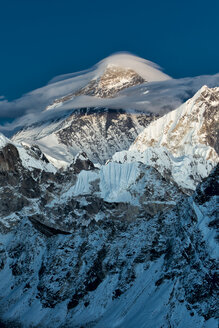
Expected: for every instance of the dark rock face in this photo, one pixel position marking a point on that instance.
(82, 162)
(18, 185)
(101, 132)
(45, 229)
(35, 150)
(9, 159)
(210, 124)
(212, 128)
(208, 188)
(11, 202)
(30, 187)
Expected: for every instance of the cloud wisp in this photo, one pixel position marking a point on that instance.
(157, 96)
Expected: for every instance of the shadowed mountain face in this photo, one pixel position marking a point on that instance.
(9, 158)
(100, 132)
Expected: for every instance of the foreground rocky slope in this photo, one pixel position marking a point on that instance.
(90, 262)
(48, 194)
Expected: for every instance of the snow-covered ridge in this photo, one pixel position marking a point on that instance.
(182, 144)
(29, 161)
(27, 155)
(158, 95)
(186, 130)
(185, 171)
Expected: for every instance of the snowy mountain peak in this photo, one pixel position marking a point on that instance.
(192, 129)
(183, 144)
(145, 68)
(206, 95)
(209, 95)
(113, 80)
(121, 71)
(113, 74)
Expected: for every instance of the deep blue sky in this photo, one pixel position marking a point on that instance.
(44, 38)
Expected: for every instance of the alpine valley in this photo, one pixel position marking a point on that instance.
(109, 194)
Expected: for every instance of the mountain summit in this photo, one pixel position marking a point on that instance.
(113, 80)
(148, 70)
(113, 74)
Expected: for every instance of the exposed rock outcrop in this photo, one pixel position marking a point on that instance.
(113, 80)
(9, 159)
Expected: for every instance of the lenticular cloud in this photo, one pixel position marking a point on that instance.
(159, 94)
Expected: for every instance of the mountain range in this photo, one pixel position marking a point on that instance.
(109, 201)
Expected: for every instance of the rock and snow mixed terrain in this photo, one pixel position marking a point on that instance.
(183, 144)
(189, 130)
(99, 131)
(108, 218)
(100, 111)
(70, 258)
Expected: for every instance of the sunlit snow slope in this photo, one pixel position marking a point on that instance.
(184, 143)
